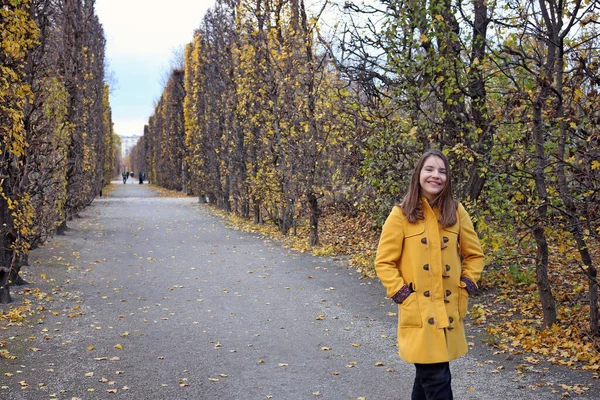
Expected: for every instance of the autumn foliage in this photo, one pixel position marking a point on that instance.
(57, 146)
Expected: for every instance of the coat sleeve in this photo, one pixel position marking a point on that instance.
(470, 247)
(389, 252)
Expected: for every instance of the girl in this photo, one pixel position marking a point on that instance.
(419, 263)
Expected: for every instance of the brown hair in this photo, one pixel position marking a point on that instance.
(411, 204)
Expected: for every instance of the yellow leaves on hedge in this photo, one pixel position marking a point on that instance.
(19, 30)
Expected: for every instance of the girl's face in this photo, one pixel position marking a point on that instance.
(433, 177)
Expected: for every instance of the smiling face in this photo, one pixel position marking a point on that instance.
(433, 177)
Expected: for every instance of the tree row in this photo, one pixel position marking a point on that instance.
(58, 147)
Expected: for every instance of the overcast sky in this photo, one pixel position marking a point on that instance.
(142, 37)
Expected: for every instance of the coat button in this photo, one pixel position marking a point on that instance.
(424, 240)
(426, 267)
(445, 239)
(451, 320)
(426, 294)
(448, 293)
(431, 321)
(447, 267)
(450, 327)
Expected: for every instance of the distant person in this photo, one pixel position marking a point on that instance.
(141, 177)
(429, 259)
(124, 175)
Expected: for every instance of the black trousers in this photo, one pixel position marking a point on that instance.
(432, 382)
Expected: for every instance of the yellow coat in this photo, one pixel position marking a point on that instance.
(430, 320)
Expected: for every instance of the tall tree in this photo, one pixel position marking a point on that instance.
(18, 37)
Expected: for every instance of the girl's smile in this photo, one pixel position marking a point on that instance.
(432, 178)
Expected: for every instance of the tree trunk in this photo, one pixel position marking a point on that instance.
(287, 219)
(14, 276)
(257, 217)
(593, 286)
(62, 228)
(314, 219)
(573, 216)
(477, 91)
(4, 286)
(546, 297)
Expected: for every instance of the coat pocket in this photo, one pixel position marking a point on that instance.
(463, 302)
(409, 313)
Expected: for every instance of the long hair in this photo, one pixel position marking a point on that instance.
(411, 204)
